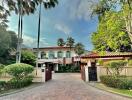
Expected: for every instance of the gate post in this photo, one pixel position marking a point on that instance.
(86, 74)
(98, 73)
(43, 75)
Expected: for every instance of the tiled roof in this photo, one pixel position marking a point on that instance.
(57, 47)
(107, 55)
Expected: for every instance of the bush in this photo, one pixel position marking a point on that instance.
(117, 82)
(19, 70)
(21, 75)
(2, 85)
(14, 83)
(68, 68)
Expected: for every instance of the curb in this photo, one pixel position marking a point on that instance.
(110, 91)
(20, 90)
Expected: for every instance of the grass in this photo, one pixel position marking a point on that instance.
(114, 90)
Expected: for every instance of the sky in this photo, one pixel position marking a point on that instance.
(68, 18)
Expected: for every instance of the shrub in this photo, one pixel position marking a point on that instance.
(2, 85)
(68, 68)
(14, 83)
(19, 70)
(117, 82)
(21, 74)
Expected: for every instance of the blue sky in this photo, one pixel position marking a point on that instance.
(68, 18)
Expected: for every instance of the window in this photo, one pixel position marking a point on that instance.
(68, 54)
(43, 55)
(51, 55)
(60, 54)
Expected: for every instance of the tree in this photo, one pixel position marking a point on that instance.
(70, 42)
(8, 43)
(60, 42)
(79, 48)
(4, 13)
(28, 57)
(125, 8)
(47, 5)
(21, 7)
(110, 35)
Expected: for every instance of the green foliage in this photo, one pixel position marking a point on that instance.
(60, 42)
(123, 6)
(130, 62)
(3, 85)
(8, 43)
(100, 61)
(110, 35)
(28, 57)
(70, 42)
(79, 48)
(117, 82)
(21, 74)
(116, 66)
(68, 68)
(1, 68)
(19, 70)
(14, 83)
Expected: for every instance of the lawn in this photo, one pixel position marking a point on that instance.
(113, 90)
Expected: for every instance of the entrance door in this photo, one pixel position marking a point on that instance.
(92, 71)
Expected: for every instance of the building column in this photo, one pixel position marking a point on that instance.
(98, 73)
(56, 52)
(56, 67)
(86, 74)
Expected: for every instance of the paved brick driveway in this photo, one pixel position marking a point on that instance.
(64, 87)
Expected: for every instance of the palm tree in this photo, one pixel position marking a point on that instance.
(60, 42)
(3, 17)
(21, 7)
(70, 42)
(79, 49)
(47, 5)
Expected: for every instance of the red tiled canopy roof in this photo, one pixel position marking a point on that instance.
(107, 55)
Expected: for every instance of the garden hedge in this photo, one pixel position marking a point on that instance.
(21, 75)
(120, 82)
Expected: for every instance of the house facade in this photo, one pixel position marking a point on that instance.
(55, 56)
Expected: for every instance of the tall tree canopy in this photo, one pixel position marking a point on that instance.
(124, 6)
(60, 42)
(8, 43)
(79, 48)
(110, 34)
(70, 42)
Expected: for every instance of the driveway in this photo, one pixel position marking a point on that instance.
(66, 86)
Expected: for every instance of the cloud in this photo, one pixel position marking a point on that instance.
(81, 9)
(32, 42)
(63, 28)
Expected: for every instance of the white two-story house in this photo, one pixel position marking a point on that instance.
(56, 55)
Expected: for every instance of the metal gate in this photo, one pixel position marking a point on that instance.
(92, 71)
(48, 73)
